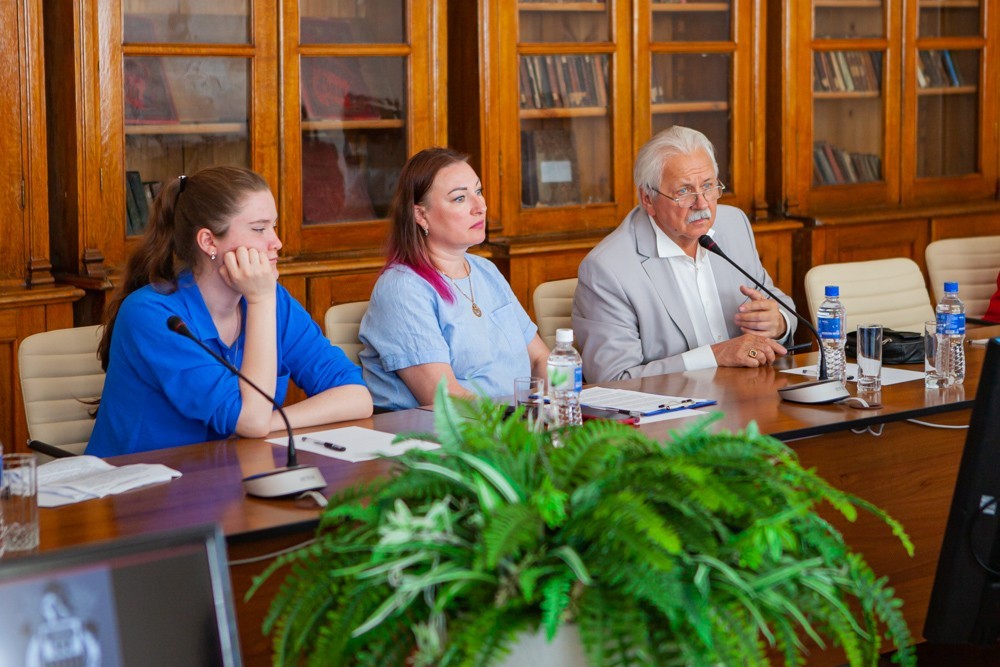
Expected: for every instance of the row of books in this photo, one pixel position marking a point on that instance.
(832, 165)
(847, 71)
(936, 69)
(562, 82)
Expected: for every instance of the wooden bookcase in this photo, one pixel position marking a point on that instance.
(325, 98)
(565, 94)
(883, 125)
(30, 302)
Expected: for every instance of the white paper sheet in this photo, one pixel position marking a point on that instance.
(76, 478)
(890, 375)
(360, 444)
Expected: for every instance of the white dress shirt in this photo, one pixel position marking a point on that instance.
(700, 294)
(701, 298)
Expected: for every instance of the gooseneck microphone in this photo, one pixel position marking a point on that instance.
(292, 479)
(823, 390)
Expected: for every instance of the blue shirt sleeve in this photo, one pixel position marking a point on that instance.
(402, 322)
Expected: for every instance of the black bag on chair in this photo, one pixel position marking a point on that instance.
(898, 347)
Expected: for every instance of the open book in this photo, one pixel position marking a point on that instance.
(76, 478)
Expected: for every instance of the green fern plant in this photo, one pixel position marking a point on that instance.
(703, 550)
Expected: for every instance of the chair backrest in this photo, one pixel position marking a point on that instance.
(890, 292)
(60, 378)
(342, 323)
(553, 303)
(971, 262)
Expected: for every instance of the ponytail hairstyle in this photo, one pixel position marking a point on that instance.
(207, 200)
(407, 244)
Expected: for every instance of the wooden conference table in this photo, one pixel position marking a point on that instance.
(909, 470)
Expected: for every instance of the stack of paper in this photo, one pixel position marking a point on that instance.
(76, 478)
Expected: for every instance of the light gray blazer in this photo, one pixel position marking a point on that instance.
(628, 316)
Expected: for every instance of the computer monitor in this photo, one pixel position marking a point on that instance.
(965, 600)
(161, 599)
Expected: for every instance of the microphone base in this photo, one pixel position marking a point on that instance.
(282, 482)
(816, 392)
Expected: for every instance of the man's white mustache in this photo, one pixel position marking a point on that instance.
(699, 215)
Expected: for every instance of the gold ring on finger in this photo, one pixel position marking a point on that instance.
(752, 354)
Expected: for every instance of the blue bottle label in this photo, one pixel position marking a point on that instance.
(829, 328)
(560, 378)
(951, 324)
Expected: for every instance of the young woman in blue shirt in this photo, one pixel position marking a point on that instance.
(210, 257)
(438, 311)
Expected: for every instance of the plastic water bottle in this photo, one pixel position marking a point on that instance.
(951, 334)
(565, 371)
(832, 319)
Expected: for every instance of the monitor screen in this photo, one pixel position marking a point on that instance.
(965, 601)
(162, 599)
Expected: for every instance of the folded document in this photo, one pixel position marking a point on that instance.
(76, 478)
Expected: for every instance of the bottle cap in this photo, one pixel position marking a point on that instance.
(951, 287)
(564, 335)
(833, 290)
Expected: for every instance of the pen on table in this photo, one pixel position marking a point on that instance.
(687, 402)
(329, 445)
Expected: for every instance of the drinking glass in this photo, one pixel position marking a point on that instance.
(931, 377)
(18, 503)
(869, 357)
(529, 393)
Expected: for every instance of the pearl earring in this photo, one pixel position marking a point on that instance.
(212, 257)
(426, 231)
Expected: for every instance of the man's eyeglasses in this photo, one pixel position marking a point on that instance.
(686, 198)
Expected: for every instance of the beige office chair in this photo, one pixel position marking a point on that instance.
(342, 323)
(553, 308)
(890, 292)
(60, 378)
(972, 262)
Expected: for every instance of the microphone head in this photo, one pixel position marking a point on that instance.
(176, 324)
(706, 242)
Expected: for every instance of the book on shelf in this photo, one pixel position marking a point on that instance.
(949, 67)
(136, 205)
(529, 183)
(555, 169)
(934, 69)
(821, 78)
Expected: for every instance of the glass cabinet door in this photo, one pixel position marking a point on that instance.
(561, 135)
(564, 104)
(698, 64)
(188, 108)
(850, 153)
(691, 73)
(353, 108)
(361, 93)
(947, 87)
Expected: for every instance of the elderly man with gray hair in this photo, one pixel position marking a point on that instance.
(651, 300)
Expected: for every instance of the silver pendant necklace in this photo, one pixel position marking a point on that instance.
(471, 296)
